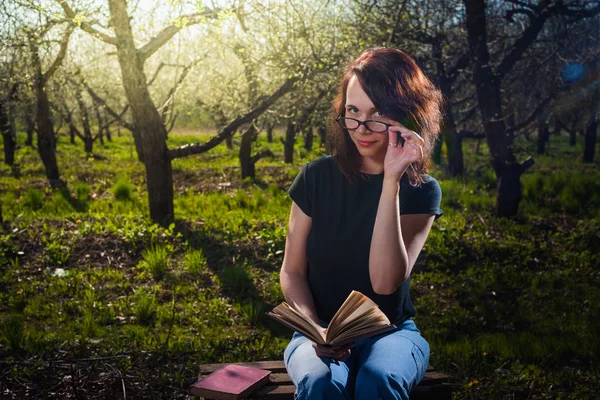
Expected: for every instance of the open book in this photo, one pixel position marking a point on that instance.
(357, 318)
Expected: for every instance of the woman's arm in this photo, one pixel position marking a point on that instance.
(396, 242)
(293, 277)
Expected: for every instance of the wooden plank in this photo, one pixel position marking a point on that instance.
(433, 386)
(285, 392)
(432, 378)
(280, 378)
(275, 366)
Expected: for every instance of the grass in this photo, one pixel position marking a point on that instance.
(509, 306)
(122, 190)
(156, 260)
(144, 308)
(195, 261)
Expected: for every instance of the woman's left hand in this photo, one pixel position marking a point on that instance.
(398, 158)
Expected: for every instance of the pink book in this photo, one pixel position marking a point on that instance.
(231, 382)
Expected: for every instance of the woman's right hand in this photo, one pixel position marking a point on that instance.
(337, 353)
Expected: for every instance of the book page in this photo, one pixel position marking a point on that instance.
(351, 302)
(370, 322)
(348, 325)
(356, 307)
(298, 321)
(341, 342)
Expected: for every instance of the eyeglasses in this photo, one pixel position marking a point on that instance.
(372, 125)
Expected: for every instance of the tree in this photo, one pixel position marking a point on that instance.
(46, 139)
(488, 79)
(7, 128)
(148, 125)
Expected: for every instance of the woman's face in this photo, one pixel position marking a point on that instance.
(359, 106)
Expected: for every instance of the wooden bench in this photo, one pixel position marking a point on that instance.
(433, 386)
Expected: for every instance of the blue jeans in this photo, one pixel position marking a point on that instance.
(387, 366)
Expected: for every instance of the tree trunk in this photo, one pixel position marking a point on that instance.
(308, 138)
(72, 133)
(288, 143)
(487, 83)
(6, 131)
(270, 132)
(572, 138)
(229, 142)
(46, 142)
(88, 139)
(451, 136)
(30, 127)
(591, 131)
(245, 155)
(88, 144)
(137, 140)
(68, 116)
(100, 133)
(107, 132)
(543, 134)
(146, 119)
(456, 166)
(436, 156)
(322, 131)
(11, 120)
(556, 130)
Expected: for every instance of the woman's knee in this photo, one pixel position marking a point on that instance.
(318, 385)
(374, 380)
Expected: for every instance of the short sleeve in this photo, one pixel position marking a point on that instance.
(425, 199)
(300, 191)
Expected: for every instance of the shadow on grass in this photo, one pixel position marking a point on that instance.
(225, 262)
(77, 204)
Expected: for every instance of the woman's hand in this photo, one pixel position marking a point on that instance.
(338, 353)
(398, 158)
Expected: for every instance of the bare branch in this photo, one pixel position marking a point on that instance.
(579, 13)
(509, 14)
(464, 99)
(532, 116)
(532, 31)
(86, 26)
(519, 47)
(461, 64)
(197, 148)
(469, 114)
(262, 154)
(160, 66)
(102, 102)
(172, 123)
(168, 103)
(64, 43)
(166, 34)
(521, 3)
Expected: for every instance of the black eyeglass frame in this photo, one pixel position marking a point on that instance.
(340, 117)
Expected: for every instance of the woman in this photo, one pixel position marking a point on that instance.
(358, 222)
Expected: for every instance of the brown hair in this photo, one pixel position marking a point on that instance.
(401, 91)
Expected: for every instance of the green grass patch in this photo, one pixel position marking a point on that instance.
(509, 306)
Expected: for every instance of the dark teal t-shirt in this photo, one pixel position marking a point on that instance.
(343, 217)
